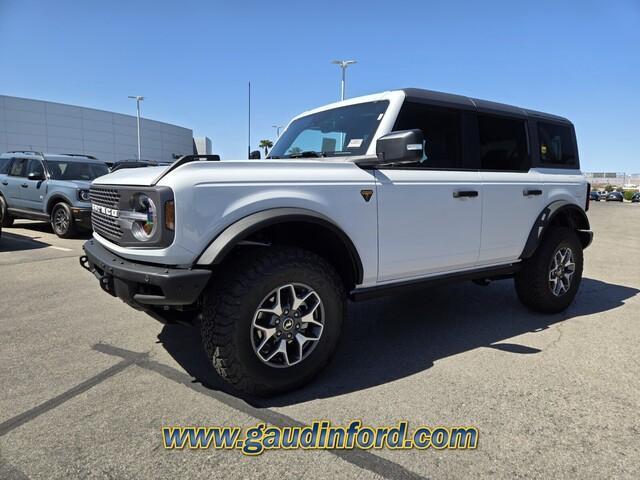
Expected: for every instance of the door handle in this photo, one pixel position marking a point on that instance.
(465, 193)
(528, 193)
(4, 182)
(24, 185)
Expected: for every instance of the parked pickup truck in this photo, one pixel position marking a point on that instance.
(49, 187)
(373, 195)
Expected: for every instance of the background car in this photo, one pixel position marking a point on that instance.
(48, 187)
(615, 197)
(594, 196)
(636, 197)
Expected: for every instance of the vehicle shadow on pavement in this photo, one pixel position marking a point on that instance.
(393, 337)
(13, 242)
(45, 227)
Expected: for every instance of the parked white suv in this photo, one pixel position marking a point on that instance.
(378, 194)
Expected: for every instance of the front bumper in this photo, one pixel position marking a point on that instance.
(82, 216)
(141, 285)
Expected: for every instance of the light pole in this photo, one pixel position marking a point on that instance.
(343, 64)
(277, 127)
(138, 99)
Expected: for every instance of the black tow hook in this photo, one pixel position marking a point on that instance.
(84, 263)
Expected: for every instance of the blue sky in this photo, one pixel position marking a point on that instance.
(193, 59)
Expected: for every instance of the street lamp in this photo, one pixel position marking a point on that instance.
(343, 64)
(277, 127)
(138, 99)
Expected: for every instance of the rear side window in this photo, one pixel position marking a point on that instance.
(18, 168)
(4, 164)
(557, 145)
(503, 144)
(442, 134)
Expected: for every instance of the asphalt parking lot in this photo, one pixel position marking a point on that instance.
(87, 382)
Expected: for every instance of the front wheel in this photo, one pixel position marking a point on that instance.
(548, 281)
(273, 320)
(62, 221)
(6, 220)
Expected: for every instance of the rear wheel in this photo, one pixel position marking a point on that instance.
(549, 281)
(5, 218)
(274, 320)
(62, 221)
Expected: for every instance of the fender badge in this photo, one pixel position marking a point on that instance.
(366, 194)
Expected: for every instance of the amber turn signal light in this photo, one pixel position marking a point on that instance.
(169, 215)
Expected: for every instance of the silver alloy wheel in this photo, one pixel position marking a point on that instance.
(287, 325)
(61, 220)
(561, 271)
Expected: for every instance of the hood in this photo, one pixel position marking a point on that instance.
(74, 183)
(229, 171)
(142, 176)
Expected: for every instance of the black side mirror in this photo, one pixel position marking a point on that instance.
(35, 176)
(255, 155)
(405, 146)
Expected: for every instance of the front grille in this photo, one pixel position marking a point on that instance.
(105, 225)
(107, 197)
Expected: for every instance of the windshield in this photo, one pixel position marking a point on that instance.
(74, 170)
(339, 131)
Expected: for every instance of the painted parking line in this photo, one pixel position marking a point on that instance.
(62, 249)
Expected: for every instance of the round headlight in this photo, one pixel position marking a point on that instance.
(144, 230)
(84, 195)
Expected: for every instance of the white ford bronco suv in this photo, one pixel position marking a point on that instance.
(377, 194)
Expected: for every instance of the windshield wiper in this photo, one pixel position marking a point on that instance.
(307, 154)
(337, 153)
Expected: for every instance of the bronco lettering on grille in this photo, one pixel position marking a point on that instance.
(112, 212)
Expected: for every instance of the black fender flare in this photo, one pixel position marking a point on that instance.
(56, 198)
(577, 218)
(238, 231)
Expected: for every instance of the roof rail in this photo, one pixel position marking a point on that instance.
(78, 155)
(186, 159)
(28, 151)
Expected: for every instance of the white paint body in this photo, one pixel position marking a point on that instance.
(411, 228)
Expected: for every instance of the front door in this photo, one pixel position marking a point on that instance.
(428, 221)
(33, 194)
(429, 212)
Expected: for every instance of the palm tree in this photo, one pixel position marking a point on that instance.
(266, 144)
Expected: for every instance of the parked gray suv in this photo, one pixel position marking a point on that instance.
(49, 187)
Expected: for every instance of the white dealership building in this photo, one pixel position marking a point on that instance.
(43, 126)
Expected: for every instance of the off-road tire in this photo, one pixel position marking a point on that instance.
(7, 219)
(532, 281)
(63, 230)
(230, 304)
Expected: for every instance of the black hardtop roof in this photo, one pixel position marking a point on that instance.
(460, 101)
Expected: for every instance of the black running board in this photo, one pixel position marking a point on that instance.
(491, 273)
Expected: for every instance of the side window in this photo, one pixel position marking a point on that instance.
(556, 144)
(18, 168)
(503, 144)
(35, 166)
(4, 165)
(442, 134)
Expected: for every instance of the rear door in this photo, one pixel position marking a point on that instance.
(13, 183)
(429, 213)
(513, 192)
